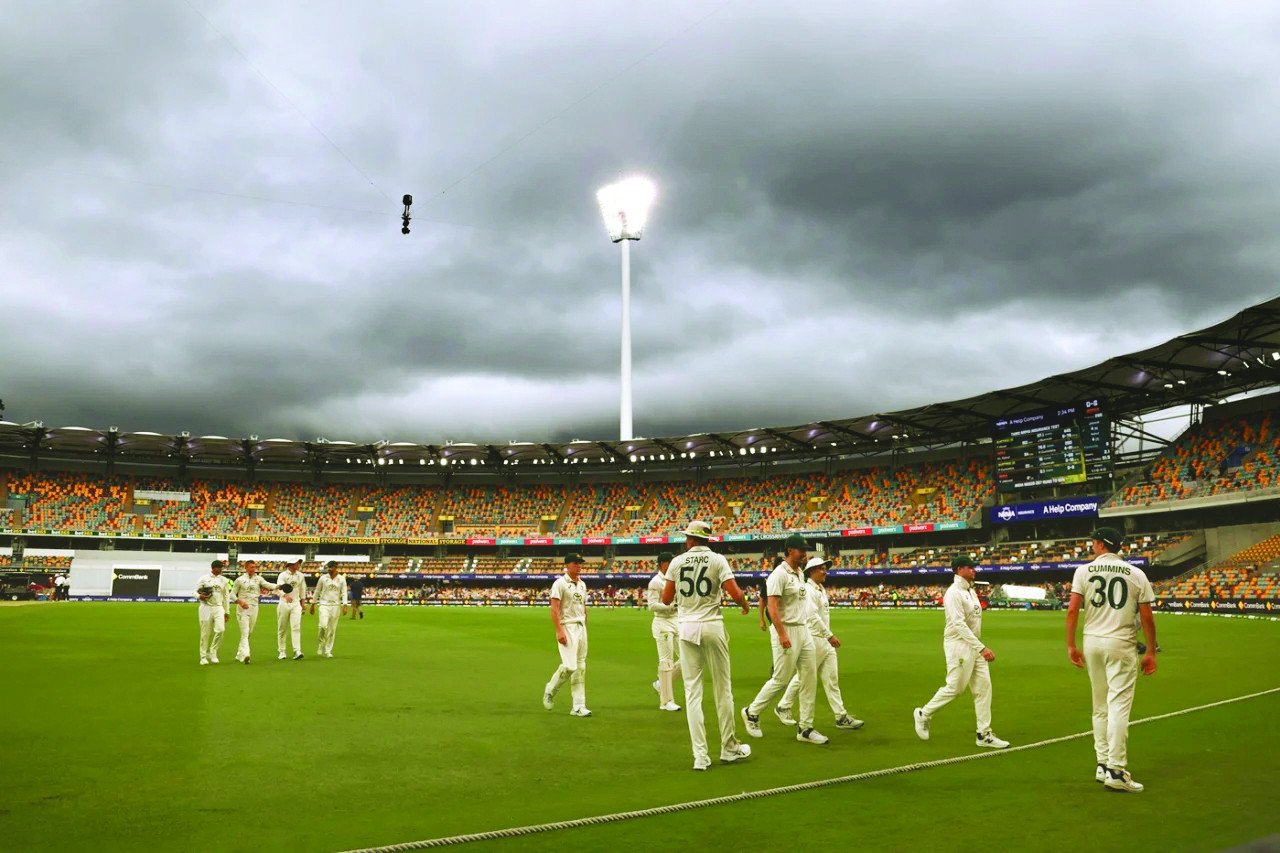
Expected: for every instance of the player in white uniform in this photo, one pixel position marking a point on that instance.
(967, 656)
(289, 608)
(330, 594)
(665, 632)
(696, 580)
(1110, 591)
(212, 592)
(569, 616)
(825, 644)
(792, 644)
(245, 591)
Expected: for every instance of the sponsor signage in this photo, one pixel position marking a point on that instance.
(568, 540)
(481, 540)
(1040, 510)
(146, 494)
(736, 537)
(917, 528)
(539, 540)
(135, 582)
(1218, 605)
(653, 540)
(626, 540)
(950, 525)
(508, 540)
(596, 540)
(887, 530)
(856, 531)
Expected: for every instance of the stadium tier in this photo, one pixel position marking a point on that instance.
(1253, 573)
(1149, 546)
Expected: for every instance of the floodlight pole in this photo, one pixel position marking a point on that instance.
(625, 428)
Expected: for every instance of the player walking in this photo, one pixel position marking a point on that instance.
(211, 590)
(1110, 591)
(330, 594)
(825, 644)
(246, 591)
(292, 584)
(792, 644)
(967, 657)
(569, 616)
(665, 632)
(695, 582)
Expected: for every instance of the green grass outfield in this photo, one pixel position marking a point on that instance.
(428, 723)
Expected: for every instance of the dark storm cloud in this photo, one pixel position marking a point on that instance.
(860, 209)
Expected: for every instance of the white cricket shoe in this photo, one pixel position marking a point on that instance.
(752, 723)
(580, 711)
(847, 722)
(784, 714)
(990, 741)
(922, 724)
(281, 656)
(298, 655)
(810, 736)
(213, 659)
(657, 688)
(205, 662)
(328, 654)
(739, 752)
(670, 706)
(1100, 773)
(548, 701)
(702, 764)
(1120, 780)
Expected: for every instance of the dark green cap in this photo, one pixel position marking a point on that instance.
(1110, 537)
(962, 561)
(666, 557)
(795, 540)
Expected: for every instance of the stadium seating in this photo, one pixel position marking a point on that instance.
(1233, 455)
(1253, 573)
(1150, 546)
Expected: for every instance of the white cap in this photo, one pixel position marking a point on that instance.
(698, 529)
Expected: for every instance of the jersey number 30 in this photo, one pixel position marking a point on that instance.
(1115, 593)
(689, 582)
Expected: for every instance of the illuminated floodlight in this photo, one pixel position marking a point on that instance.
(625, 207)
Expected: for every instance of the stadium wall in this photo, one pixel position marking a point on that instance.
(1223, 542)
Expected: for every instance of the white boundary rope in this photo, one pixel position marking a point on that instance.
(517, 831)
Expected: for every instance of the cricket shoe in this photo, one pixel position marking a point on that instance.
(328, 654)
(850, 723)
(298, 655)
(281, 657)
(1120, 780)
(204, 661)
(670, 706)
(922, 724)
(783, 713)
(213, 659)
(246, 660)
(656, 687)
(739, 752)
(702, 764)
(548, 701)
(810, 735)
(580, 711)
(752, 723)
(990, 741)
(1100, 773)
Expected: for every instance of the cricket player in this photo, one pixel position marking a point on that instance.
(245, 591)
(967, 657)
(1110, 591)
(212, 590)
(695, 582)
(330, 594)
(792, 644)
(665, 633)
(569, 616)
(292, 584)
(825, 644)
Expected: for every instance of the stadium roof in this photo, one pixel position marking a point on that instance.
(1237, 355)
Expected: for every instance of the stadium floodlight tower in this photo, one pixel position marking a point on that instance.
(625, 206)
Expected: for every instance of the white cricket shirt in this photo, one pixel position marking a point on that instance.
(218, 598)
(963, 614)
(299, 581)
(1112, 590)
(699, 575)
(573, 600)
(819, 610)
(792, 592)
(664, 615)
(247, 589)
(331, 591)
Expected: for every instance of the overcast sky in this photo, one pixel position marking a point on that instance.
(861, 208)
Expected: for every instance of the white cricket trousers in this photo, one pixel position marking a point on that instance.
(965, 668)
(799, 661)
(246, 618)
(665, 636)
(212, 625)
(709, 655)
(1113, 674)
(328, 626)
(828, 677)
(289, 626)
(573, 664)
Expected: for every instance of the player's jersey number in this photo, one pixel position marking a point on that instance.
(1114, 593)
(691, 582)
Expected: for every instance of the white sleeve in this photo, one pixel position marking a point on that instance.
(814, 621)
(557, 589)
(344, 590)
(1146, 594)
(1080, 580)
